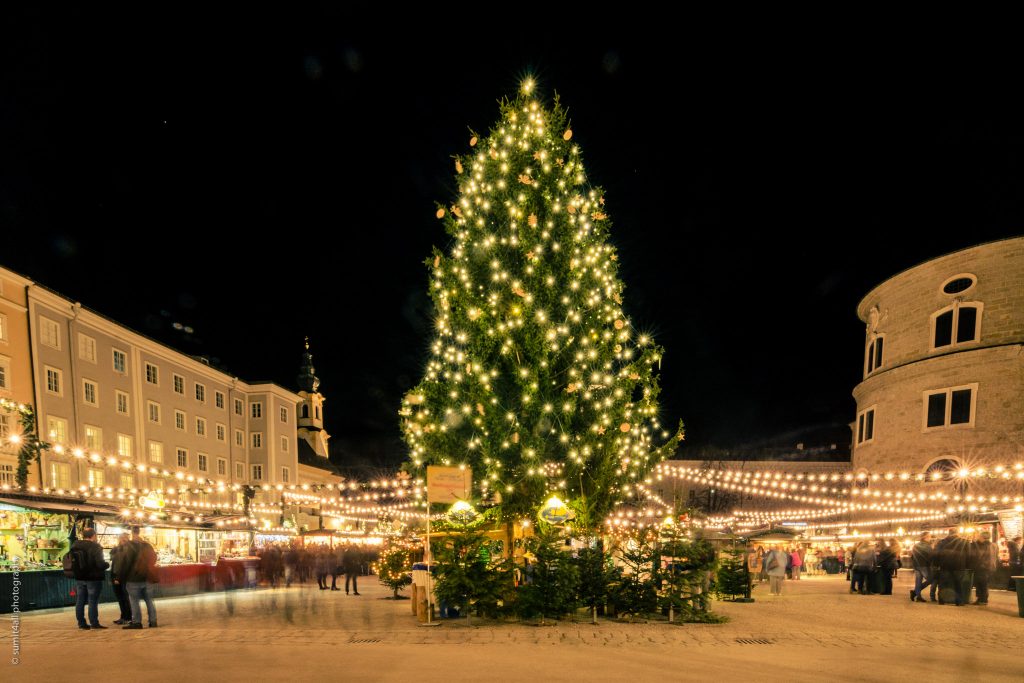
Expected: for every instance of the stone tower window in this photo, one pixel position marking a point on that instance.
(956, 324)
(958, 284)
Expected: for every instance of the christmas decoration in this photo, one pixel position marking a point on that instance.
(394, 565)
(732, 580)
(550, 579)
(526, 301)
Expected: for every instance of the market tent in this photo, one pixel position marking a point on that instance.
(58, 506)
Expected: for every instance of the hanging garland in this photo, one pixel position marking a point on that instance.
(31, 446)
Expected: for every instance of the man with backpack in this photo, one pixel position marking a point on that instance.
(87, 566)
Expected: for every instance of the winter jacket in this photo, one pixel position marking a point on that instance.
(1015, 556)
(140, 563)
(984, 556)
(117, 562)
(922, 555)
(864, 559)
(352, 561)
(952, 553)
(94, 566)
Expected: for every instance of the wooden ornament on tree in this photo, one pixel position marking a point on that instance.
(567, 135)
(472, 141)
(440, 213)
(532, 220)
(625, 427)
(458, 166)
(619, 324)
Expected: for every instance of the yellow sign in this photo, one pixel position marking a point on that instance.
(153, 501)
(448, 484)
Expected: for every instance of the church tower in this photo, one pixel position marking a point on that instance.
(311, 408)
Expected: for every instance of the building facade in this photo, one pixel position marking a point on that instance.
(943, 369)
(15, 367)
(130, 413)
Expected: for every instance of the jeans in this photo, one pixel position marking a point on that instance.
(353, 578)
(860, 581)
(122, 601)
(140, 590)
(88, 590)
(981, 579)
(923, 579)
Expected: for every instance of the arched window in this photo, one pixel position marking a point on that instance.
(959, 323)
(318, 412)
(305, 410)
(943, 468)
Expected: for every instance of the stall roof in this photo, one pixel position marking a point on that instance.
(44, 504)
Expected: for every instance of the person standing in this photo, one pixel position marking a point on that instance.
(922, 557)
(797, 563)
(862, 566)
(1014, 549)
(841, 559)
(141, 575)
(952, 560)
(887, 559)
(337, 567)
(89, 567)
(118, 573)
(775, 567)
(984, 561)
(352, 562)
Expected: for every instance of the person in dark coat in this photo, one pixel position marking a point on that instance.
(922, 557)
(886, 566)
(90, 569)
(351, 562)
(141, 576)
(984, 559)
(1016, 564)
(118, 573)
(951, 554)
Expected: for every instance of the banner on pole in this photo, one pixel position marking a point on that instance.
(448, 484)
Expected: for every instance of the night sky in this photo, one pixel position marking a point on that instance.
(262, 178)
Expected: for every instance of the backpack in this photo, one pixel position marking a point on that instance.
(773, 561)
(75, 564)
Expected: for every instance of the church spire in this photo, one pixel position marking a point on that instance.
(307, 380)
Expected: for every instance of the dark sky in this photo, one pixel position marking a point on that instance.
(259, 178)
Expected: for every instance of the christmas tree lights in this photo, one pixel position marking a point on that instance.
(537, 378)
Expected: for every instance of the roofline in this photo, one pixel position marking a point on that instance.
(22, 280)
(874, 289)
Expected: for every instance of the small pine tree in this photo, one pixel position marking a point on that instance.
(394, 563)
(467, 576)
(633, 592)
(595, 576)
(732, 579)
(552, 579)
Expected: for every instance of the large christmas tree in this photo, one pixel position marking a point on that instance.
(537, 378)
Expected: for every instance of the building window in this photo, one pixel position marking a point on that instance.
(57, 428)
(3, 327)
(86, 348)
(152, 374)
(866, 426)
(200, 426)
(60, 475)
(54, 381)
(49, 333)
(305, 410)
(222, 432)
(956, 324)
(222, 467)
(154, 412)
(950, 407)
(89, 392)
(238, 407)
(202, 462)
(318, 412)
(179, 420)
(284, 475)
(284, 415)
(122, 402)
(239, 437)
(124, 445)
(182, 457)
(95, 478)
(256, 409)
(156, 484)
(7, 475)
(5, 426)
(257, 439)
(257, 472)
(239, 471)
(127, 480)
(120, 361)
(284, 444)
(5, 372)
(875, 349)
(179, 385)
(200, 393)
(156, 452)
(93, 438)
(218, 399)
(958, 284)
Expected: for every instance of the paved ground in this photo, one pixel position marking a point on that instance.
(815, 632)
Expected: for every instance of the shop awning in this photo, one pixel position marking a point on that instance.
(58, 506)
